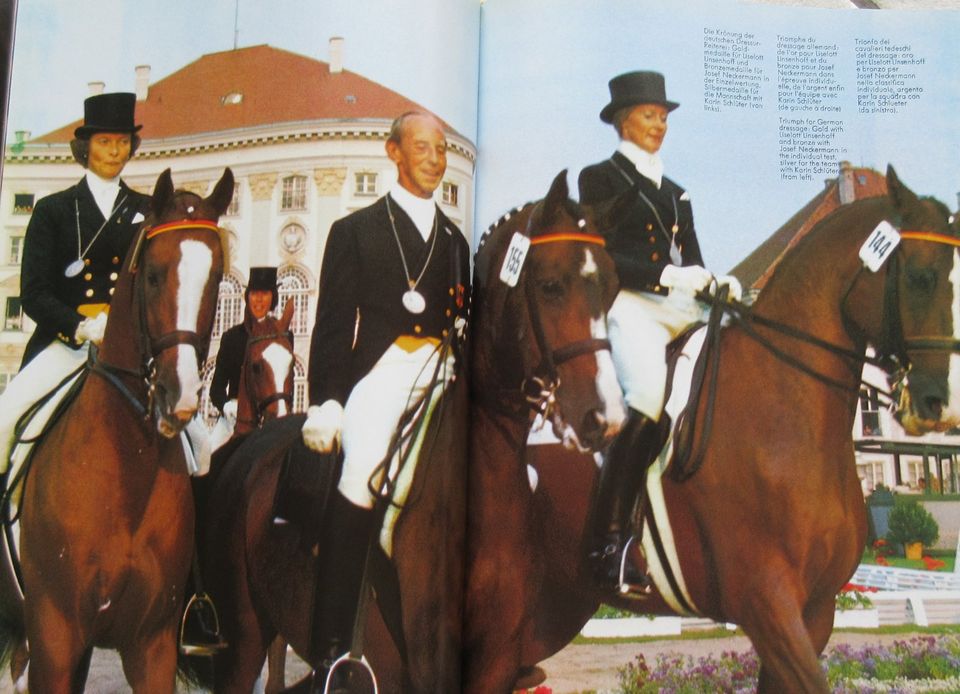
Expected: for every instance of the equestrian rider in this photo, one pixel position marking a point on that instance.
(392, 287)
(260, 297)
(660, 268)
(75, 242)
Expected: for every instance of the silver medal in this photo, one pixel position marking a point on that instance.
(413, 301)
(74, 268)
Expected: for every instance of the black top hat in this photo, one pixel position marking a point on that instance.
(264, 279)
(632, 88)
(108, 113)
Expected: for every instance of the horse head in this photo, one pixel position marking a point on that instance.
(907, 303)
(266, 379)
(166, 299)
(544, 283)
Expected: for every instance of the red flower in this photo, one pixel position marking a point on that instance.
(932, 564)
(882, 561)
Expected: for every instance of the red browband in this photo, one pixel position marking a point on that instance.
(182, 224)
(930, 236)
(571, 236)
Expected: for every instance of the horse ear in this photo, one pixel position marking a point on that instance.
(556, 197)
(162, 193)
(287, 315)
(222, 193)
(901, 196)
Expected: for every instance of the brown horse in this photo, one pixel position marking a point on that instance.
(772, 524)
(548, 316)
(107, 518)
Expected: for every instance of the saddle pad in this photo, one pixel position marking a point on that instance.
(664, 565)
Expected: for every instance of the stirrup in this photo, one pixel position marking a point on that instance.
(201, 603)
(345, 658)
(630, 590)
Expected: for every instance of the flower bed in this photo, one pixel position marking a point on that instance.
(923, 663)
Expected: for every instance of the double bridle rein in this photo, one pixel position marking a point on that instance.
(150, 347)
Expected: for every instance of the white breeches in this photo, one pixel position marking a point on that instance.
(397, 383)
(641, 325)
(44, 372)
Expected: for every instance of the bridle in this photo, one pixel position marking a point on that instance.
(150, 348)
(539, 385)
(260, 406)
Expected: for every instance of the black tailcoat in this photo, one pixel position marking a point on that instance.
(48, 296)
(359, 309)
(640, 243)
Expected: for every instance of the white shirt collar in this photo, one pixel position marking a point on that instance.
(421, 210)
(649, 165)
(104, 191)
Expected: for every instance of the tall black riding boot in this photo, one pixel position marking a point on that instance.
(344, 539)
(622, 477)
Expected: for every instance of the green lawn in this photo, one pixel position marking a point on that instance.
(946, 556)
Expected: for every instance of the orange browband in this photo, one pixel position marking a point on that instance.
(930, 236)
(586, 238)
(182, 224)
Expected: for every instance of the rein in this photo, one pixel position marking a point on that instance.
(149, 345)
(892, 356)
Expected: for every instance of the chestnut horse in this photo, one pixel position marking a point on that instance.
(107, 517)
(545, 323)
(772, 524)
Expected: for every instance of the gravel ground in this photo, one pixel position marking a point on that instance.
(577, 669)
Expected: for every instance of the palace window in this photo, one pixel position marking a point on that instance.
(13, 316)
(229, 305)
(295, 284)
(450, 194)
(16, 250)
(299, 385)
(208, 412)
(870, 412)
(22, 203)
(294, 193)
(365, 183)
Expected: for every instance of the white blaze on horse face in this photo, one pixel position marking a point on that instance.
(607, 385)
(953, 378)
(196, 259)
(280, 361)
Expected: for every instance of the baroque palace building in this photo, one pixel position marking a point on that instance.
(305, 140)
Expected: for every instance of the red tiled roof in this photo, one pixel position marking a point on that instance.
(754, 270)
(277, 86)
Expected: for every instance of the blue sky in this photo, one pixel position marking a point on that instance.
(544, 71)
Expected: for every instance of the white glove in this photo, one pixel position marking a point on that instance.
(736, 291)
(692, 278)
(91, 329)
(321, 431)
(230, 412)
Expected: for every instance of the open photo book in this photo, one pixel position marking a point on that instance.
(795, 154)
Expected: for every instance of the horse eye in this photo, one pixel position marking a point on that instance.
(153, 279)
(922, 280)
(257, 368)
(552, 289)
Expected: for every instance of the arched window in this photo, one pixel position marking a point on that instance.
(300, 394)
(208, 413)
(294, 284)
(229, 305)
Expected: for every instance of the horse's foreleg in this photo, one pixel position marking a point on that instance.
(789, 661)
(276, 665)
(56, 649)
(150, 664)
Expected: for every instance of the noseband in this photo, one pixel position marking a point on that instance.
(260, 406)
(539, 387)
(151, 348)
